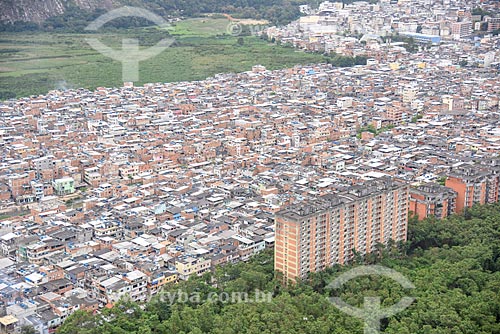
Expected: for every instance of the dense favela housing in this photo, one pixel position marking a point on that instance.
(120, 191)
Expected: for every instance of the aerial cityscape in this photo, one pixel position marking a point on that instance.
(269, 179)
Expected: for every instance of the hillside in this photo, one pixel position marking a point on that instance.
(454, 265)
(38, 11)
(24, 13)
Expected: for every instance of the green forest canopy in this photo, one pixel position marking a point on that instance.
(454, 265)
(75, 19)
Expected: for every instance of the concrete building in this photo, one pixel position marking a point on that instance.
(423, 38)
(432, 200)
(315, 235)
(461, 29)
(137, 281)
(473, 186)
(64, 186)
(493, 23)
(191, 266)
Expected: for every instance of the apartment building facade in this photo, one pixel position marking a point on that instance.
(432, 200)
(332, 229)
(493, 23)
(461, 29)
(473, 186)
(64, 186)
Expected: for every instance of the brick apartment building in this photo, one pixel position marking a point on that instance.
(432, 200)
(461, 29)
(315, 235)
(473, 186)
(493, 23)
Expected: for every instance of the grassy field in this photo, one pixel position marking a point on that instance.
(35, 64)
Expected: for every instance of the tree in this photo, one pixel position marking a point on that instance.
(410, 45)
(415, 118)
(5, 95)
(241, 41)
(80, 322)
(360, 60)
(27, 329)
(480, 11)
(442, 180)
(75, 19)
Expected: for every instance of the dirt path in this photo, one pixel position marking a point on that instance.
(246, 21)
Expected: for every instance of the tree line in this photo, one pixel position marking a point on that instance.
(75, 19)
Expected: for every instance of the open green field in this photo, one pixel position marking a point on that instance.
(36, 63)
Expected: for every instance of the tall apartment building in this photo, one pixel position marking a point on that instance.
(409, 93)
(312, 236)
(474, 185)
(493, 23)
(461, 29)
(432, 200)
